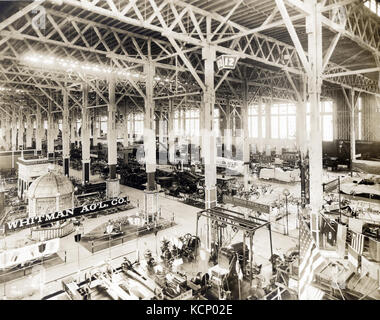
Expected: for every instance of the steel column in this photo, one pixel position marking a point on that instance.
(111, 129)
(14, 130)
(85, 135)
(65, 134)
(171, 134)
(352, 128)
(245, 132)
(39, 129)
(21, 129)
(29, 131)
(50, 130)
(314, 30)
(149, 132)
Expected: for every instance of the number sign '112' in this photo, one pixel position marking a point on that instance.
(226, 62)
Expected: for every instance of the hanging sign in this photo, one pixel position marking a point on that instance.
(65, 214)
(259, 207)
(226, 62)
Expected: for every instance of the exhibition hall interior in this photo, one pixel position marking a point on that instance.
(190, 150)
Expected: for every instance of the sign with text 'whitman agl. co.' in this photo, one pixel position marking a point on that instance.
(64, 214)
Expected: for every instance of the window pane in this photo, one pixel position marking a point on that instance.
(291, 109)
(328, 107)
(292, 127)
(283, 127)
(103, 126)
(283, 109)
(308, 126)
(328, 128)
(274, 127)
(263, 128)
(253, 127)
(253, 110)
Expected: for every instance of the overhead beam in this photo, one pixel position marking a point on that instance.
(300, 6)
(330, 50)
(187, 63)
(19, 14)
(293, 34)
(348, 73)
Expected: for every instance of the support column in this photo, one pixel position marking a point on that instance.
(14, 130)
(228, 132)
(171, 131)
(65, 134)
(2, 140)
(21, 129)
(268, 127)
(3, 137)
(113, 187)
(352, 128)
(301, 120)
(149, 133)
(85, 135)
(8, 143)
(73, 128)
(56, 128)
(260, 126)
(245, 131)
(314, 30)
(183, 120)
(95, 128)
(125, 127)
(39, 129)
(209, 142)
(50, 131)
(29, 132)
(133, 128)
(162, 138)
(150, 193)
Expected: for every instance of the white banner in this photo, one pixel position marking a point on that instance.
(14, 257)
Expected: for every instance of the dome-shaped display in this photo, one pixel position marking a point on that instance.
(50, 193)
(50, 185)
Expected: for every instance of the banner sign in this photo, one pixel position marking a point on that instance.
(14, 257)
(331, 186)
(263, 208)
(235, 165)
(305, 181)
(64, 214)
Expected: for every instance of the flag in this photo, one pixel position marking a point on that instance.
(310, 260)
(353, 257)
(341, 240)
(329, 229)
(357, 242)
(374, 249)
(238, 269)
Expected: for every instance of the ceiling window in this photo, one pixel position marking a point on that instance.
(373, 5)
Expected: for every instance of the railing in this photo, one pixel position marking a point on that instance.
(40, 234)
